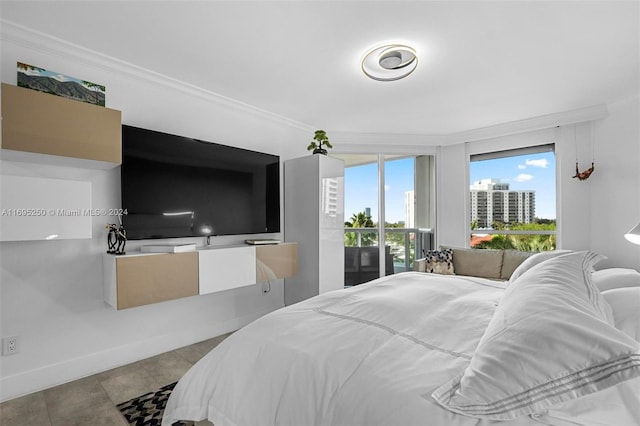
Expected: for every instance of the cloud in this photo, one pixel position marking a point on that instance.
(523, 177)
(60, 77)
(543, 163)
(521, 167)
(387, 187)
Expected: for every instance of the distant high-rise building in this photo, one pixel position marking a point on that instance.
(409, 209)
(492, 201)
(330, 197)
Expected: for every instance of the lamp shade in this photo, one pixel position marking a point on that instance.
(634, 234)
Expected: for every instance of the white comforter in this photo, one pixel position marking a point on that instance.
(369, 355)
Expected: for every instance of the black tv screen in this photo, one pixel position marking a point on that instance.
(174, 186)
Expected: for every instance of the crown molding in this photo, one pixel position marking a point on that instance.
(41, 42)
(579, 115)
(357, 141)
(38, 41)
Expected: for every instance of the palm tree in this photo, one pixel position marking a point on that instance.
(359, 220)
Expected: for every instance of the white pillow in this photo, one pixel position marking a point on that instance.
(609, 278)
(551, 340)
(625, 304)
(532, 261)
(619, 405)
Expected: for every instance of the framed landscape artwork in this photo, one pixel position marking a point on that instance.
(39, 79)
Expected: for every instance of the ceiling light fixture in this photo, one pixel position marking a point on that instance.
(389, 62)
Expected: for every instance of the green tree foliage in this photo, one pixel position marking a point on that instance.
(396, 238)
(500, 242)
(360, 220)
(523, 242)
(96, 89)
(319, 138)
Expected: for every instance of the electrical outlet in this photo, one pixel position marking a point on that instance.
(10, 345)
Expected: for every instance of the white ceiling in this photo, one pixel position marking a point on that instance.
(481, 63)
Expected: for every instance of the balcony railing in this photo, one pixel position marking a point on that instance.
(403, 243)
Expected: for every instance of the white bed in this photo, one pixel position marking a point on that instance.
(416, 348)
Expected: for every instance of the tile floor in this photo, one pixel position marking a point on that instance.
(92, 401)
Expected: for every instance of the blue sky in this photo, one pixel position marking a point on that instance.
(361, 189)
(529, 172)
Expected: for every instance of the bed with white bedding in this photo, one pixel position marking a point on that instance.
(427, 349)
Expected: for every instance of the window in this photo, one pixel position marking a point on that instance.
(512, 199)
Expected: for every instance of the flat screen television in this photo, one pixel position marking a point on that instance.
(174, 186)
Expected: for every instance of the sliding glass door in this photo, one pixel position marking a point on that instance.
(389, 213)
(361, 213)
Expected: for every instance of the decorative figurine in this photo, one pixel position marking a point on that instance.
(584, 175)
(121, 237)
(111, 238)
(116, 239)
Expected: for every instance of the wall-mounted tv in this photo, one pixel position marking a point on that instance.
(174, 186)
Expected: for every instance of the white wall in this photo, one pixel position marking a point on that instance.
(615, 184)
(452, 181)
(51, 291)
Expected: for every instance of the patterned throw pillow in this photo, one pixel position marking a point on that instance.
(439, 261)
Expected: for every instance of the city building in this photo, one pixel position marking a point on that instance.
(409, 209)
(492, 201)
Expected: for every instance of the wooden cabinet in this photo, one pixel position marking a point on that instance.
(276, 261)
(143, 278)
(137, 280)
(42, 123)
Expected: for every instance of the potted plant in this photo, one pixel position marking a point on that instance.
(320, 138)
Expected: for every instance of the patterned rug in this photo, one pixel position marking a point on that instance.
(147, 409)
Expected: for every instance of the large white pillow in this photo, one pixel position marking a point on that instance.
(618, 405)
(606, 279)
(532, 261)
(625, 304)
(551, 340)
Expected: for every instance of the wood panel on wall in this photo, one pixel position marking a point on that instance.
(42, 123)
(276, 261)
(146, 279)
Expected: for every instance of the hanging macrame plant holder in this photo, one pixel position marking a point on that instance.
(584, 175)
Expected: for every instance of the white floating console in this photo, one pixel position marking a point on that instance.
(138, 279)
(226, 268)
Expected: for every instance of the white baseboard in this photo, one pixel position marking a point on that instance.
(73, 369)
